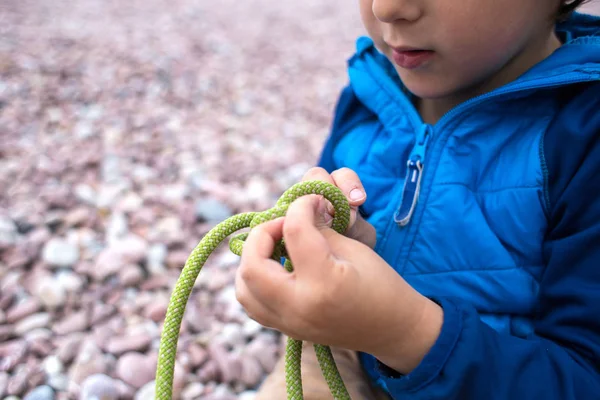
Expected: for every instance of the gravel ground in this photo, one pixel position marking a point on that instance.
(128, 130)
(592, 7)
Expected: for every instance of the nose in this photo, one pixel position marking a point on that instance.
(390, 11)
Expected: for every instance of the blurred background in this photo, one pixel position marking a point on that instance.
(128, 129)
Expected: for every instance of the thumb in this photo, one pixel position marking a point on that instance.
(363, 231)
(324, 215)
(307, 247)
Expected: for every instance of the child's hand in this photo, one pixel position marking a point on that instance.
(349, 182)
(341, 293)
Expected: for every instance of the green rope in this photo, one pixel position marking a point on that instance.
(194, 263)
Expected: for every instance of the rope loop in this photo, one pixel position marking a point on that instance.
(197, 259)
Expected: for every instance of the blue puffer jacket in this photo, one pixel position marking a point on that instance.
(493, 212)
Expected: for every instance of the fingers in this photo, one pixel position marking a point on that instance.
(306, 246)
(259, 312)
(318, 174)
(266, 280)
(363, 232)
(349, 183)
(344, 178)
(261, 240)
(326, 211)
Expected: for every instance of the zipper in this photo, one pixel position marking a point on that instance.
(416, 161)
(414, 173)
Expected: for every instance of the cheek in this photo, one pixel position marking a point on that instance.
(465, 61)
(371, 24)
(475, 50)
(366, 13)
(489, 30)
(479, 54)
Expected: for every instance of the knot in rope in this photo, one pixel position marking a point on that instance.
(197, 259)
(330, 192)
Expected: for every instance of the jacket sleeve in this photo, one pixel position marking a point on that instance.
(561, 360)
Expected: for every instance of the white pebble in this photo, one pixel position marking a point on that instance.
(99, 386)
(232, 335)
(247, 395)
(60, 253)
(69, 281)
(131, 202)
(8, 231)
(27, 324)
(52, 365)
(193, 391)
(157, 254)
(146, 392)
(40, 393)
(59, 382)
(86, 194)
(251, 327)
(51, 293)
(117, 228)
(39, 333)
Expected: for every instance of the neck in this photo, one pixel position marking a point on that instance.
(433, 109)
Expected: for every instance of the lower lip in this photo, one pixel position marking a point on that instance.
(411, 59)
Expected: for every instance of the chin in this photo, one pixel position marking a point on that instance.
(427, 89)
(426, 85)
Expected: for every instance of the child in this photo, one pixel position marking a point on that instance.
(469, 140)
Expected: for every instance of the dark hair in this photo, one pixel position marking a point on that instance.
(567, 7)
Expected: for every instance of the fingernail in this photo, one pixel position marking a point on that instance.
(357, 194)
(327, 217)
(330, 208)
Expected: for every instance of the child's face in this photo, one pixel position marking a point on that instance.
(475, 45)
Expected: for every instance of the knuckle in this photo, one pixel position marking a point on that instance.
(315, 173)
(241, 298)
(292, 228)
(344, 170)
(254, 317)
(245, 272)
(347, 177)
(261, 234)
(258, 231)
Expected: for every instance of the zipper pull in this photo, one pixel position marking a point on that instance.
(412, 182)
